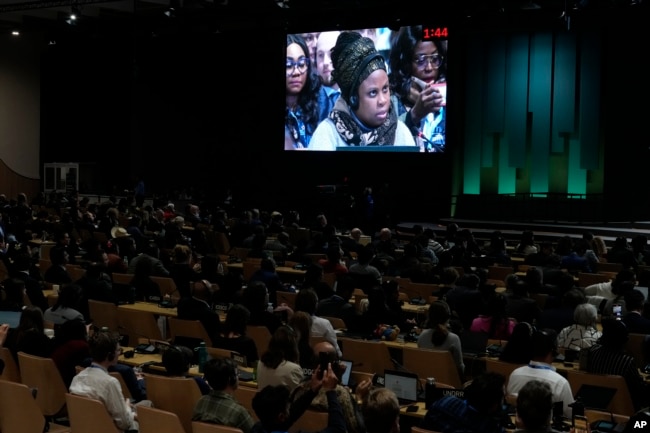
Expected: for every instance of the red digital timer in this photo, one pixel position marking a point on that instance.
(429, 33)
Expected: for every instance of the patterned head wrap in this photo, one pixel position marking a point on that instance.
(354, 58)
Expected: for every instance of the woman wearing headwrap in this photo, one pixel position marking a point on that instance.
(363, 115)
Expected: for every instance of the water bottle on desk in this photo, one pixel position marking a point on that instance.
(429, 391)
(203, 355)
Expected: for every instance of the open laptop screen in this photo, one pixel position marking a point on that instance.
(404, 385)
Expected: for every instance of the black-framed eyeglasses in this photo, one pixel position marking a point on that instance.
(301, 64)
(423, 59)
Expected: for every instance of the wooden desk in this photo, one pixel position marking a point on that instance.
(150, 307)
(420, 413)
(140, 358)
(157, 310)
(282, 270)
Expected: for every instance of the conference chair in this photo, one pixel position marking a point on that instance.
(419, 290)
(244, 396)
(586, 279)
(166, 284)
(310, 421)
(89, 415)
(103, 314)
(367, 356)
(501, 367)
(261, 335)
(499, 272)
(621, 403)
(119, 278)
(174, 394)
(249, 267)
(20, 413)
(42, 374)
(188, 328)
(415, 429)
(11, 371)
(204, 427)
(154, 420)
(432, 363)
(337, 322)
(288, 298)
(138, 324)
(636, 347)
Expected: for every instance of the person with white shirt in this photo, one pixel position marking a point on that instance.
(95, 381)
(541, 368)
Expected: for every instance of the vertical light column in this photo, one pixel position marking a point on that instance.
(539, 104)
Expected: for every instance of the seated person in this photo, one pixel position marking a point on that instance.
(279, 364)
(540, 368)
(438, 336)
(276, 414)
(71, 349)
(234, 335)
(583, 333)
(177, 361)
(198, 307)
(255, 297)
(67, 306)
(57, 272)
(519, 349)
(307, 301)
(219, 405)
(381, 411)
(608, 357)
(363, 115)
(477, 413)
(351, 413)
(535, 407)
(95, 382)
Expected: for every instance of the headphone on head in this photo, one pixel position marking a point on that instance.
(354, 90)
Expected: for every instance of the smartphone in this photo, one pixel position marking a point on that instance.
(617, 310)
(323, 360)
(580, 424)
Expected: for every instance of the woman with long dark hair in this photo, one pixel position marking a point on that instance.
(418, 68)
(438, 336)
(279, 364)
(307, 104)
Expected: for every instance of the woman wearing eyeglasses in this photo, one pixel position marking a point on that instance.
(417, 68)
(307, 103)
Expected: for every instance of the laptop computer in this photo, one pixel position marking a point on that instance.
(473, 343)
(403, 384)
(595, 397)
